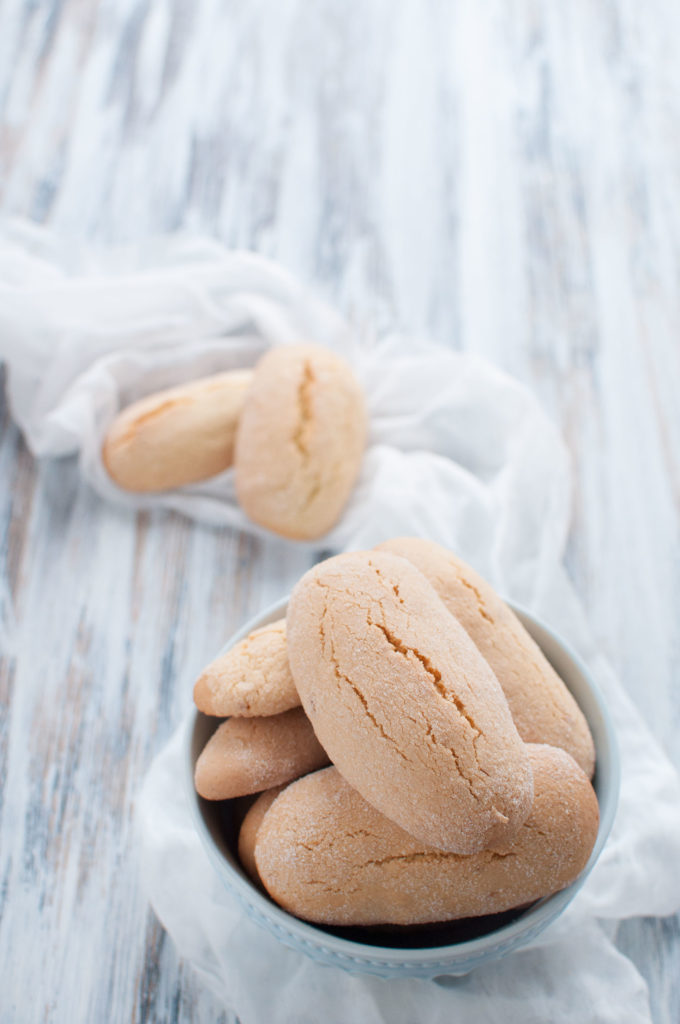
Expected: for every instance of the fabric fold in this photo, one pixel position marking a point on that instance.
(458, 452)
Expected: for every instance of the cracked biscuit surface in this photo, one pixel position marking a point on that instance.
(248, 755)
(300, 441)
(253, 679)
(404, 704)
(542, 707)
(178, 436)
(324, 854)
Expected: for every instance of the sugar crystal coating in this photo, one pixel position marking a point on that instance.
(250, 827)
(542, 708)
(404, 704)
(326, 855)
(253, 678)
(300, 441)
(247, 755)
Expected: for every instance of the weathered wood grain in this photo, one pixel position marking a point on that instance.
(503, 177)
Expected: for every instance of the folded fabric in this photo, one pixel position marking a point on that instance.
(458, 452)
(80, 348)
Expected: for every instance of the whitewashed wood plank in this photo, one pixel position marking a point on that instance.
(505, 179)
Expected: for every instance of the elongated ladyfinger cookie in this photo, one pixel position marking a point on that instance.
(542, 708)
(178, 436)
(300, 440)
(252, 679)
(404, 704)
(326, 855)
(248, 755)
(250, 826)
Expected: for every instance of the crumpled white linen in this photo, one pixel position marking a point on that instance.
(458, 452)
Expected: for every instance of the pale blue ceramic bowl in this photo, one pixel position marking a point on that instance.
(440, 951)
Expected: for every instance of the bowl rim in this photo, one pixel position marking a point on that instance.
(519, 931)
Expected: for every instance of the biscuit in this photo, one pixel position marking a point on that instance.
(178, 436)
(542, 707)
(249, 829)
(247, 755)
(324, 854)
(299, 442)
(404, 703)
(253, 679)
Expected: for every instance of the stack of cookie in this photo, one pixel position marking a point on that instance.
(294, 430)
(419, 759)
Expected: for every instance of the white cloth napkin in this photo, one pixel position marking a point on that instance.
(458, 452)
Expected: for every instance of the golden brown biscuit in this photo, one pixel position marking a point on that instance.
(404, 704)
(249, 829)
(542, 708)
(300, 441)
(253, 679)
(326, 855)
(247, 755)
(178, 436)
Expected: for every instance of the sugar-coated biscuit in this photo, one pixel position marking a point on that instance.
(247, 755)
(542, 707)
(404, 703)
(253, 679)
(178, 436)
(324, 854)
(249, 829)
(299, 442)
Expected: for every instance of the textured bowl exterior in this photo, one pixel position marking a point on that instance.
(441, 961)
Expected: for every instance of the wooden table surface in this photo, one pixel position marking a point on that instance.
(502, 177)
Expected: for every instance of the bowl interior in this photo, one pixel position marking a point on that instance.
(218, 823)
